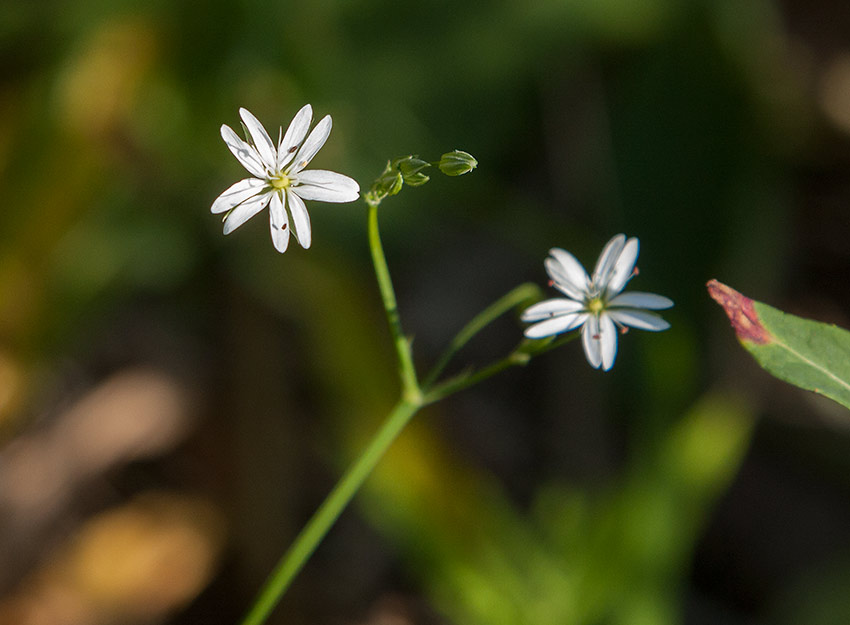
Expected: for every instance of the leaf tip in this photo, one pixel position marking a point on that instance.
(741, 313)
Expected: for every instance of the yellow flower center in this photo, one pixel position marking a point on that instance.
(281, 182)
(596, 305)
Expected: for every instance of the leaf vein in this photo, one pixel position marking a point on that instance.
(820, 368)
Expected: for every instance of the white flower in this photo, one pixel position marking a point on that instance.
(596, 304)
(279, 178)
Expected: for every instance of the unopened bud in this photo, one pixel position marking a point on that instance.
(457, 163)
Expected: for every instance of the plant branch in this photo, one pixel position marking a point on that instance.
(520, 356)
(520, 294)
(407, 372)
(323, 519)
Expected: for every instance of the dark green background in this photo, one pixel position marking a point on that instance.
(715, 131)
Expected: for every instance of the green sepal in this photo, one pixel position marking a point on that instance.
(411, 169)
(388, 183)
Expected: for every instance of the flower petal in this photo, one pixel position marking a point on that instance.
(326, 186)
(610, 254)
(312, 144)
(236, 194)
(295, 134)
(551, 308)
(245, 211)
(244, 153)
(640, 319)
(567, 273)
(278, 223)
(623, 268)
(608, 341)
(300, 218)
(555, 325)
(261, 138)
(590, 340)
(637, 299)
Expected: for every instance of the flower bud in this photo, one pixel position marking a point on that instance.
(411, 169)
(457, 163)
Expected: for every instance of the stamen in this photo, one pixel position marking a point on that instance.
(292, 149)
(551, 283)
(635, 271)
(622, 328)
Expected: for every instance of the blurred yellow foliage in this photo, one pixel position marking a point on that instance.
(130, 564)
(100, 83)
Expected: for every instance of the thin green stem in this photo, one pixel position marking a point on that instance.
(465, 380)
(407, 372)
(524, 352)
(520, 294)
(309, 538)
(411, 401)
(322, 520)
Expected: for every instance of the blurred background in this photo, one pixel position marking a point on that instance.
(174, 404)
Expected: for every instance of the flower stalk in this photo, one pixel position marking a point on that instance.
(407, 371)
(520, 356)
(323, 519)
(524, 293)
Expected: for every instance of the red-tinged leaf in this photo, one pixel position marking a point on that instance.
(740, 311)
(812, 355)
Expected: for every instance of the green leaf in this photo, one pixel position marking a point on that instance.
(809, 354)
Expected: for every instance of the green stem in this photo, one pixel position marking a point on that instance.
(322, 520)
(524, 352)
(407, 372)
(412, 400)
(465, 380)
(520, 294)
(309, 538)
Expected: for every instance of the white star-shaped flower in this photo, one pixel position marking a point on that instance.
(280, 181)
(596, 304)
